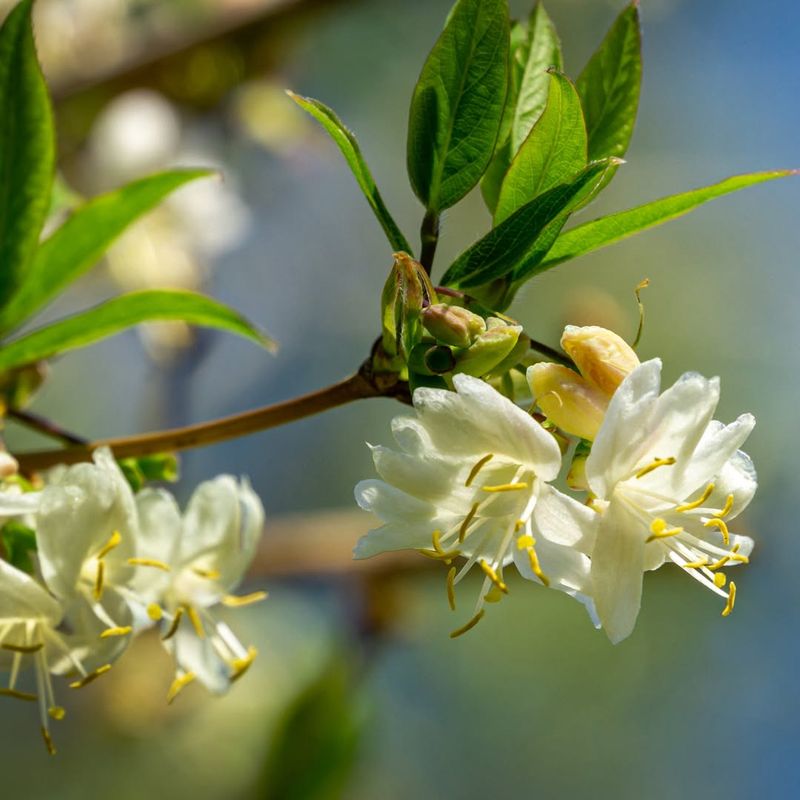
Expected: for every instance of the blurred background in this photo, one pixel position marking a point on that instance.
(358, 692)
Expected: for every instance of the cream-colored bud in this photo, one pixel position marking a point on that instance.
(603, 358)
(452, 325)
(567, 399)
(489, 349)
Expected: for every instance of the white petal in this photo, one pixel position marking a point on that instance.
(393, 536)
(617, 567)
(423, 477)
(564, 567)
(13, 503)
(198, 656)
(737, 477)
(390, 504)
(565, 521)
(22, 596)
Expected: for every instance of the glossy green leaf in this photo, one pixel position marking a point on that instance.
(535, 48)
(27, 149)
(609, 87)
(18, 544)
(607, 230)
(458, 103)
(554, 151)
(347, 143)
(123, 312)
(81, 241)
(507, 248)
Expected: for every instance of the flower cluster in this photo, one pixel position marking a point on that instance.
(109, 565)
(660, 480)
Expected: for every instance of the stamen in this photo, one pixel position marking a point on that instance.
(494, 595)
(492, 576)
(726, 509)
(505, 487)
(241, 665)
(700, 500)
(48, 742)
(734, 555)
(208, 574)
(720, 579)
(731, 599)
(525, 541)
(57, 712)
(451, 592)
(91, 677)
(173, 629)
(197, 623)
(462, 531)
(716, 522)
(477, 468)
(703, 562)
(535, 566)
(719, 564)
(179, 684)
(446, 556)
(17, 695)
(149, 562)
(114, 541)
(155, 612)
(23, 648)
(99, 581)
(118, 631)
(655, 464)
(469, 626)
(232, 601)
(659, 530)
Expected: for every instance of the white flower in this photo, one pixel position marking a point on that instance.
(192, 562)
(470, 480)
(667, 478)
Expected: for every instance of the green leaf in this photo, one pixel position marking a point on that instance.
(81, 241)
(160, 467)
(609, 87)
(554, 151)
(27, 148)
(507, 248)
(347, 143)
(123, 312)
(607, 230)
(18, 542)
(535, 48)
(458, 103)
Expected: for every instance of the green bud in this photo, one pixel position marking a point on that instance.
(431, 359)
(453, 325)
(489, 349)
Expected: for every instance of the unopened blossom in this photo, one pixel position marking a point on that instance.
(190, 563)
(666, 479)
(469, 486)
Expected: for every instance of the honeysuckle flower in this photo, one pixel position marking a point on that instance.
(666, 480)
(192, 562)
(470, 480)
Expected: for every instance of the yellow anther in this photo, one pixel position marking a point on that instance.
(197, 623)
(462, 531)
(719, 564)
(155, 612)
(660, 530)
(57, 712)
(447, 556)
(734, 555)
(493, 576)
(173, 628)
(241, 665)
(731, 599)
(436, 537)
(726, 509)
(702, 562)
(99, 580)
(179, 684)
(469, 626)
(232, 601)
(48, 742)
(494, 595)
(27, 696)
(700, 500)
(451, 591)
(655, 464)
(208, 574)
(149, 562)
(477, 468)
(91, 677)
(519, 525)
(114, 541)
(118, 631)
(505, 487)
(716, 522)
(525, 541)
(720, 579)
(535, 566)
(22, 648)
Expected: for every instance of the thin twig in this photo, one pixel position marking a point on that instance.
(44, 426)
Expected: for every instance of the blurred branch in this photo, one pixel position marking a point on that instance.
(44, 426)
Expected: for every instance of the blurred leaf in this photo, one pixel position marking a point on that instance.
(607, 230)
(123, 312)
(554, 151)
(535, 48)
(507, 248)
(19, 386)
(609, 88)
(314, 749)
(82, 240)
(458, 103)
(138, 471)
(18, 541)
(27, 149)
(347, 143)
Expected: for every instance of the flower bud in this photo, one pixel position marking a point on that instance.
(488, 349)
(603, 357)
(452, 325)
(567, 399)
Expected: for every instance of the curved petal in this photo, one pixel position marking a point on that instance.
(565, 521)
(565, 568)
(13, 502)
(22, 596)
(390, 504)
(738, 478)
(199, 657)
(393, 536)
(420, 476)
(617, 567)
